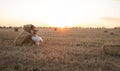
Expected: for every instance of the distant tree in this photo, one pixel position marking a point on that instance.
(4, 27)
(0, 26)
(39, 27)
(16, 29)
(49, 27)
(9, 27)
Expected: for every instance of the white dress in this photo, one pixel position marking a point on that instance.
(37, 38)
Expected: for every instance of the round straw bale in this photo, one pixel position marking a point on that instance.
(105, 31)
(55, 29)
(111, 33)
(23, 38)
(27, 40)
(27, 27)
(112, 49)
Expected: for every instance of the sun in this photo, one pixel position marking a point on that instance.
(61, 24)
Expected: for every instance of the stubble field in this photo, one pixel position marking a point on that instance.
(62, 50)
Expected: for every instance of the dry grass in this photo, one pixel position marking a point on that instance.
(70, 50)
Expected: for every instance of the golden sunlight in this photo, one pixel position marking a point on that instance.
(72, 14)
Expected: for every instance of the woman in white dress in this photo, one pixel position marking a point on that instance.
(37, 39)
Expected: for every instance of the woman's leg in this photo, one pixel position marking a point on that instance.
(37, 43)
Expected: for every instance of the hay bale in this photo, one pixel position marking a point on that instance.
(55, 29)
(24, 38)
(111, 33)
(105, 31)
(78, 44)
(27, 27)
(112, 49)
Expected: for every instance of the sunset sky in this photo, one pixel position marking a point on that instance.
(60, 13)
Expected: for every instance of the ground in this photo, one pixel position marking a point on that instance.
(62, 50)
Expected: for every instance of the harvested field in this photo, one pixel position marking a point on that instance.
(62, 50)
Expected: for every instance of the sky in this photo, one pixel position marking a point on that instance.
(60, 13)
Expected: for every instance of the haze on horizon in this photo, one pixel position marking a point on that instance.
(60, 13)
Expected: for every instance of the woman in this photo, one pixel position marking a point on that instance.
(37, 39)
